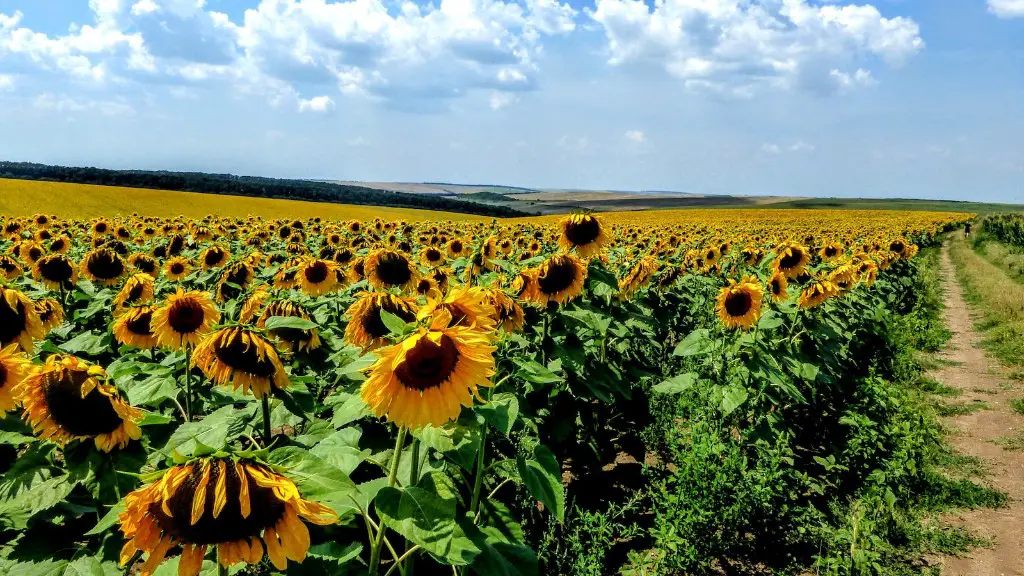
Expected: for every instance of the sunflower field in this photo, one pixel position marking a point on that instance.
(654, 393)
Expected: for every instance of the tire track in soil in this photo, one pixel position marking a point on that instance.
(978, 378)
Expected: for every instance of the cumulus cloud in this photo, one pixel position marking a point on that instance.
(635, 136)
(742, 46)
(1007, 8)
(316, 104)
(798, 147)
(6, 82)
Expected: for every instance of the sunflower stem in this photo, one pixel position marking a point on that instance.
(266, 420)
(478, 481)
(188, 384)
(396, 459)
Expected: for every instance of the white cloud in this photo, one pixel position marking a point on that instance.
(635, 136)
(499, 100)
(741, 46)
(770, 148)
(61, 103)
(316, 104)
(801, 146)
(798, 147)
(6, 82)
(1007, 8)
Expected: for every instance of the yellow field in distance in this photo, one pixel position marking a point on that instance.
(84, 201)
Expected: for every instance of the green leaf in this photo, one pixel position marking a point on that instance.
(19, 504)
(394, 324)
(336, 553)
(770, 321)
(501, 412)
(338, 451)
(315, 478)
(732, 398)
(89, 566)
(108, 520)
(534, 372)
(676, 384)
(696, 343)
(152, 391)
(458, 440)
(86, 343)
(14, 438)
(291, 322)
(542, 476)
(347, 409)
(209, 434)
(422, 515)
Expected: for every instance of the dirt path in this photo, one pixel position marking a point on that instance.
(978, 378)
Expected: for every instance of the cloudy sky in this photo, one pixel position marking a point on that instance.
(911, 98)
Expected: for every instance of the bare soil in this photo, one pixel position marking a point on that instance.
(980, 378)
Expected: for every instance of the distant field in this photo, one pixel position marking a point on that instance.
(25, 197)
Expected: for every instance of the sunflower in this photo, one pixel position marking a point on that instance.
(100, 228)
(316, 277)
(290, 339)
(184, 319)
(241, 507)
(638, 277)
(19, 321)
(103, 265)
(844, 277)
(137, 290)
(254, 304)
(134, 327)
(14, 367)
(559, 279)
(507, 312)
(214, 257)
(31, 251)
(242, 359)
(177, 268)
(388, 268)
(456, 248)
(365, 328)
(67, 399)
(9, 268)
(41, 221)
(234, 281)
(583, 233)
(287, 276)
(431, 256)
(868, 271)
(831, 251)
(427, 378)
(817, 293)
(426, 285)
(51, 313)
(466, 306)
(791, 259)
(778, 285)
(56, 272)
(739, 303)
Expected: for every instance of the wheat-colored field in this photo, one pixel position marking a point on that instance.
(25, 197)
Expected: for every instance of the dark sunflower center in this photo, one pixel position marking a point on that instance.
(213, 257)
(560, 275)
(45, 311)
(428, 364)
(160, 251)
(145, 265)
(176, 246)
(458, 314)
(89, 416)
(185, 316)
(140, 324)
(7, 265)
(56, 269)
(12, 321)
(105, 265)
(393, 269)
(316, 272)
(433, 255)
(374, 326)
(35, 253)
(343, 256)
(896, 247)
(177, 268)
(101, 228)
(239, 275)
(264, 509)
(456, 246)
(776, 287)
(583, 232)
(135, 293)
(243, 357)
(830, 252)
(3, 375)
(790, 260)
(738, 304)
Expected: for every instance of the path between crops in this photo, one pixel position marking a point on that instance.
(978, 378)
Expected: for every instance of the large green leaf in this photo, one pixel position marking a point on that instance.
(87, 343)
(732, 398)
(289, 322)
(315, 478)
(347, 409)
(459, 440)
(152, 391)
(676, 384)
(209, 434)
(501, 412)
(425, 515)
(696, 343)
(542, 476)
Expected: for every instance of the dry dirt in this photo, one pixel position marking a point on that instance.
(979, 378)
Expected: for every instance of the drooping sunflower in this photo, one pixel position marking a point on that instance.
(14, 368)
(60, 245)
(427, 378)
(214, 257)
(31, 252)
(241, 359)
(51, 313)
(365, 328)
(559, 279)
(638, 277)
(390, 269)
(139, 289)
(145, 263)
(508, 313)
(103, 266)
(134, 327)
(431, 256)
(177, 268)
(9, 267)
(817, 293)
(19, 321)
(56, 272)
(234, 281)
(844, 277)
(68, 399)
(583, 233)
(739, 304)
(254, 304)
(290, 339)
(184, 318)
(242, 508)
(466, 306)
(868, 272)
(831, 251)
(778, 286)
(316, 277)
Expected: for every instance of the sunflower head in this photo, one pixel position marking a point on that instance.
(242, 359)
(242, 508)
(390, 269)
(559, 279)
(791, 259)
(817, 293)
(316, 277)
(134, 327)
(427, 378)
(290, 339)
(56, 272)
(14, 368)
(366, 329)
(19, 321)
(507, 312)
(68, 399)
(138, 289)
(739, 304)
(51, 313)
(214, 257)
(236, 278)
(638, 277)
(184, 318)
(583, 233)
(9, 268)
(103, 266)
(431, 256)
(778, 285)
(465, 306)
(145, 263)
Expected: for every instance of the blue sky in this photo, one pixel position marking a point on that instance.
(873, 98)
